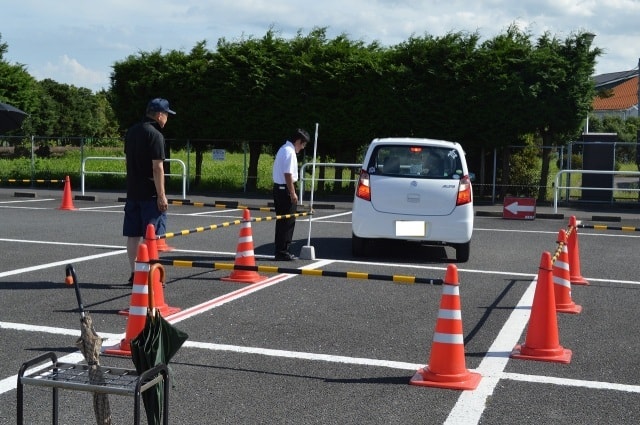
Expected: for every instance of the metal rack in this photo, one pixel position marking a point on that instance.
(71, 376)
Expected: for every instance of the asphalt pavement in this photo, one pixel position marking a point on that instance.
(315, 347)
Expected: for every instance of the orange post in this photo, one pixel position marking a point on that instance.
(447, 368)
(542, 342)
(245, 255)
(574, 254)
(67, 199)
(562, 279)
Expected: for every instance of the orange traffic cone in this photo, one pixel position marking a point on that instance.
(67, 201)
(151, 241)
(562, 280)
(446, 368)
(158, 279)
(574, 254)
(139, 303)
(244, 254)
(542, 341)
(162, 246)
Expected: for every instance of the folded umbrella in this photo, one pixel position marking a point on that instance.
(90, 344)
(156, 344)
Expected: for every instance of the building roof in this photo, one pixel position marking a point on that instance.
(623, 96)
(614, 78)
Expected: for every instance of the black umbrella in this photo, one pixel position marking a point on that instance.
(90, 344)
(156, 344)
(10, 117)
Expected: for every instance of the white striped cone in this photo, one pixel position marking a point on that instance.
(447, 368)
(245, 255)
(139, 303)
(562, 279)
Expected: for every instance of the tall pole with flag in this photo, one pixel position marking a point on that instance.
(308, 252)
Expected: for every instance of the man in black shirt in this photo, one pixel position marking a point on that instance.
(146, 199)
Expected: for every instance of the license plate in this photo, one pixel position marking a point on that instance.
(411, 228)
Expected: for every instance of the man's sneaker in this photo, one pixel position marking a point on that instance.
(285, 256)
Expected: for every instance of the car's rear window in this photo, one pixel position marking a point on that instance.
(416, 161)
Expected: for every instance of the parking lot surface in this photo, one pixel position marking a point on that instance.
(303, 349)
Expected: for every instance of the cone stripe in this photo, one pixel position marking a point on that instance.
(450, 314)
(247, 253)
(137, 311)
(142, 267)
(560, 281)
(140, 289)
(446, 338)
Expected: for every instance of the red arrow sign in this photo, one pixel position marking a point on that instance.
(519, 208)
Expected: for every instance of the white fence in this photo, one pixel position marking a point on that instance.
(557, 187)
(323, 164)
(84, 171)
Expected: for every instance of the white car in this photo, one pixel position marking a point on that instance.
(414, 190)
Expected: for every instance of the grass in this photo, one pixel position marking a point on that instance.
(226, 175)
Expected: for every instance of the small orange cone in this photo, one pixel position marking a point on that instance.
(446, 368)
(574, 254)
(67, 200)
(162, 246)
(139, 303)
(244, 254)
(562, 280)
(151, 241)
(158, 279)
(542, 341)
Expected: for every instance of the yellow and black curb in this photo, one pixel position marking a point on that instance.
(400, 279)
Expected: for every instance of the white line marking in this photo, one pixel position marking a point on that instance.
(60, 263)
(471, 404)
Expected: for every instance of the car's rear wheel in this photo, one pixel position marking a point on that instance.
(358, 246)
(462, 252)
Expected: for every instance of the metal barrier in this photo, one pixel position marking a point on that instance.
(324, 164)
(84, 172)
(557, 187)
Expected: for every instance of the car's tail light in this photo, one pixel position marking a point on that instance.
(363, 190)
(464, 191)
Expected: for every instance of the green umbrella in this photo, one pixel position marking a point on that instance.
(156, 344)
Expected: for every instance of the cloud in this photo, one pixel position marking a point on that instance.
(69, 71)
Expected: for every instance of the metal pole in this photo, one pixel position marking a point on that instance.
(308, 252)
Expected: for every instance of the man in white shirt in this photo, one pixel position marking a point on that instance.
(285, 199)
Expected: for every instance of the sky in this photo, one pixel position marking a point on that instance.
(77, 41)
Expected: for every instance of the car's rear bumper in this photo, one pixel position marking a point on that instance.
(456, 227)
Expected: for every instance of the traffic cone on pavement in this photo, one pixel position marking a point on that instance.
(139, 303)
(574, 253)
(446, 368)
(542, 340)
(151, 240)
(161, 244)
(158, 279)
(562, 280)
(245, 255)
(67, 199)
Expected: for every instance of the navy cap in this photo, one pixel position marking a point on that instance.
(159, 105)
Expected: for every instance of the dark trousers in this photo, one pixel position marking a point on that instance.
(284, 226)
